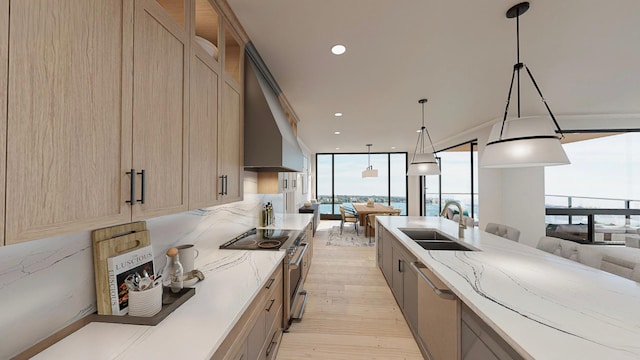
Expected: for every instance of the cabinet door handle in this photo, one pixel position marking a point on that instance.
(272, 344)
(270, 283)
(399, 265)
(286, 183)
(226, 184)
(142, 186)
(221, 185)
(442, 293)
(132, 184)
(270, 305)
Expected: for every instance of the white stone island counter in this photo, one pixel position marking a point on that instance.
(544, 306)
(194, 330)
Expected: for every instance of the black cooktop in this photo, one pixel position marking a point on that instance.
(259, 239)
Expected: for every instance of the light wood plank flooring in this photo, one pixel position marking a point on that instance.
(351, 312)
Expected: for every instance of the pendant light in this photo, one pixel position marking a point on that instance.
(369, 171)
(423, 163)
(524, 141)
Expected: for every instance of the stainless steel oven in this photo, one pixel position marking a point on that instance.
(295, 298)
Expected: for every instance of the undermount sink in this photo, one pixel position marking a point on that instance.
(426, 234)
(442, 245)
(434, 239)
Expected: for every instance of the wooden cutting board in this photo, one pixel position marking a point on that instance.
(109, 242)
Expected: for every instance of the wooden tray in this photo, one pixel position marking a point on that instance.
(170, 302)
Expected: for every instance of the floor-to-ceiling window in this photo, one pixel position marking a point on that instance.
(596, 198)
(458, 181)
(340, 182)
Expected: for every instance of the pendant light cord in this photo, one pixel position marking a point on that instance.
(516, 69)
(518, 55)
(423, 130)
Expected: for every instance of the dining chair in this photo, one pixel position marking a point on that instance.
(346, 218)
(371, 221)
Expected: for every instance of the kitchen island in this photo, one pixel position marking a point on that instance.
(543, 306)
(197, 328)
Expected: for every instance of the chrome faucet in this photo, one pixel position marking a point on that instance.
(461, 223)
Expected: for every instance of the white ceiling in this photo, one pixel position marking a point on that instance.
(584, 54)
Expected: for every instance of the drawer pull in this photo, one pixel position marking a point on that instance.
(272, 344)
(442, 293)
(270, 305)
(270, 283)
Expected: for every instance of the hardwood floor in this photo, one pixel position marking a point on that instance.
(351, 312)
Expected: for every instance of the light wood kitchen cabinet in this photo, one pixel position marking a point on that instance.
(98, 89)
(203, 132)
(277, 182)
(160, 111)
(256, 336)
(68, 103)
(216, 169)
(230, 144)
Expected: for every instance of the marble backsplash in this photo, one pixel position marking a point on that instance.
(48, 284)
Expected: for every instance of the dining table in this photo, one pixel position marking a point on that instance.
(363, 210)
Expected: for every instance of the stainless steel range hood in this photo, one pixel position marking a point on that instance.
(269, 142)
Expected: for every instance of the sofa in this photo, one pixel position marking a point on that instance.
(620, 260)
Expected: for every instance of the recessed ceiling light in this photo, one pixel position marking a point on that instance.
(419, 130)
(338, 49)
(338, 114)
(337, 132)
(393, 147)
(337, 148)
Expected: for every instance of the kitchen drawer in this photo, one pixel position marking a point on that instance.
(250, 334)
(274, 335)
(273, 305)
(275, 281)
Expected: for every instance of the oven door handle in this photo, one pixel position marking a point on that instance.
(296, 264)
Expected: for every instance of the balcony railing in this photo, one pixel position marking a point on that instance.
(608, 220)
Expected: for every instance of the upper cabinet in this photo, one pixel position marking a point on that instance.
(204, 185)
(230, 144)
(231, 124)
(115, 111)
(216, 140)
(160, 111)
(69, 115)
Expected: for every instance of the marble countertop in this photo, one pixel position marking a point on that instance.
(196, 329)
(288, 221)
(544, 306)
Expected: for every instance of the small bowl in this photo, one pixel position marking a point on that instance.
(191, 278)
